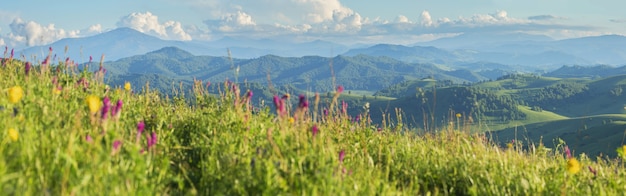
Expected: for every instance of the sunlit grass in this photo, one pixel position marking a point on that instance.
(87, 139)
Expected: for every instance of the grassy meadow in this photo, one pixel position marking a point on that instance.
(65, 132)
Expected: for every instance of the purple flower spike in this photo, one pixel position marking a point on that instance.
(140, 127)
(595, 173)
(27, 68)
(342, 155)
(118, 107)
(304, 103)
(106, 105)
(116, 145)
(249, 94)
(11, 52)
(568, 153)
(90, 59)
(315, 130)
(280, 106)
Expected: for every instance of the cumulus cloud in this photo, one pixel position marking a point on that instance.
(231, 22)
(426, 20)
(149, 23)
(97, 28)
(402, 19)
(32, 33)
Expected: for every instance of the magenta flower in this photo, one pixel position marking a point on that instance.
(315, 130)
(593, 170)
(90, 59)
(344, 107)
(106, 106)
(27, 68)
(88, 138)
(208, 83)
(342, 155)
(50, 48)
(568, 153)
(249, 95)
(340, 89)
(45, 61)
(152, 140)
(116, 145)
(304, 103)
(280, 106)
(118, 107)
(11, 53)
(140, 127)
(325, 111)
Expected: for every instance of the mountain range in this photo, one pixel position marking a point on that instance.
(521, 52)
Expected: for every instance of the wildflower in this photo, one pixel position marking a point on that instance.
(116, 146)
(106, 106)
(152, 140)
(291, 120)
(127, 86)
(13, 134)
(304, 103)
(27, 67)
(458, 115)
(249, 94)
(140, 127)
(568, 153)
(118, 107)
(573, 166)
(93, 102)
(15, 94)
(509, 145)
(90, 59)
(315, 130)
(595, 173)
(57, 90)
(344, 107)
(88, 138)
(339, 89)
(286, 96)
(280, 106)
(342, 155)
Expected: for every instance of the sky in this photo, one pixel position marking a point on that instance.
(40, 22)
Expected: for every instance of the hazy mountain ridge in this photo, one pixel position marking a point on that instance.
(359, 72)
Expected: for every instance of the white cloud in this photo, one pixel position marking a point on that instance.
(426, 20)
(2, 42)
(402, 19)
(97, 28)
(32, 33)
(149, 23)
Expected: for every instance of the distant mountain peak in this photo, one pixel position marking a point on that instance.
(172, 52)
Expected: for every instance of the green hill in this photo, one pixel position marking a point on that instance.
(592, 135)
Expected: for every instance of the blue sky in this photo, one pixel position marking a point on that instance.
(39, 22)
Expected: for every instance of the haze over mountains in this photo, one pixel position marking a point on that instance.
(520, 51)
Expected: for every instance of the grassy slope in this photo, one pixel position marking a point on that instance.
(217, 146)
(593, 135)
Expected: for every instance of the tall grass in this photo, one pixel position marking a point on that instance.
(207, 144)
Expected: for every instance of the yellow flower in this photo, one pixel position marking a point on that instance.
(94, 103)
(15, 94)
(458, 115)
(13, 134)
(127, 86)
(56, 91)
(291, 120)
(509, 145)
(573, 166)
